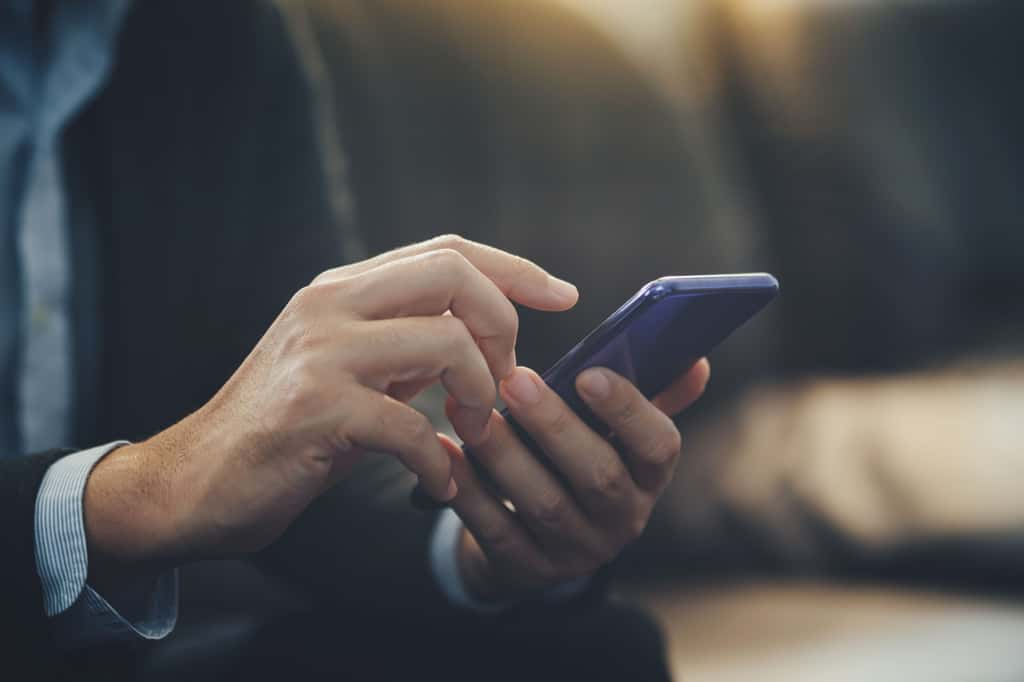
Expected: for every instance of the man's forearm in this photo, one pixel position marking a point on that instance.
(89, 606)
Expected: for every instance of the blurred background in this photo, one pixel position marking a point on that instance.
(849, 502)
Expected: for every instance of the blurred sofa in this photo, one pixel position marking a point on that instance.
(845, 509)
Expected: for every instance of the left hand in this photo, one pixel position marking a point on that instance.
(565, 528)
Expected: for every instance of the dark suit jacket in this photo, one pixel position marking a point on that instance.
(212, 165)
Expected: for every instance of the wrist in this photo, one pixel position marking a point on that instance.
(128, 523)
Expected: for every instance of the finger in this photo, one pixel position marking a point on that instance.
(685, 390)
(591, 466)
(432, 284)
(519, 279)
(546, 506)
(650, 440)
(415, 349)
(495, 527)
(407, 391)
(377, 422)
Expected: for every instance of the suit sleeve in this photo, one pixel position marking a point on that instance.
(23, 624)
(362, 543)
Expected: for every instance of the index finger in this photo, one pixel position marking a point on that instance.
(435, 283)
(521, 280)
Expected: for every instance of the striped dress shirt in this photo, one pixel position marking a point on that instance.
(50, 66)
(48, 71)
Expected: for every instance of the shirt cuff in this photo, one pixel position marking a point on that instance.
(444, 544)
(93, 620)
(79, 613)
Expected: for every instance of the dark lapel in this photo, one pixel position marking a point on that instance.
(214, 203)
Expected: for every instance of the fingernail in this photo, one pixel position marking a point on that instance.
(594, 384)
(521, 388)
(453, 490)
(562, 289)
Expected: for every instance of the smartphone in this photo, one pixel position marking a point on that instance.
(653, 338)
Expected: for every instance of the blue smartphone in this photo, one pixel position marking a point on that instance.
(654, 337)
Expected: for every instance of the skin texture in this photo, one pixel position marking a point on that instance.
(330, 380)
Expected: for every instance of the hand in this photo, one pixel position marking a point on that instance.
(565, 526)
(327, 381)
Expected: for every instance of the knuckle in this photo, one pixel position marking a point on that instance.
(450, 241)
(342, 433)
(609, 482)
(309, 299)
(495, 537)
(327, 276)
(460, 341)
(508, 318)
(414, 429)
(550, 510)
(666, 447)
(343, 288)
(300, 394)
(336, 285)
(449, 260)
(456, 331)
(557, 421)
(303, 299)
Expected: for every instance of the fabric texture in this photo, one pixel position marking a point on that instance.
(28, 640)
(57, 59)
(81, 615)
(69, 61)
(204, 165)
(61, 554)
(54, 59)
(129, 379)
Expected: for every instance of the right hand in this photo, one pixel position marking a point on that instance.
(328, 381)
